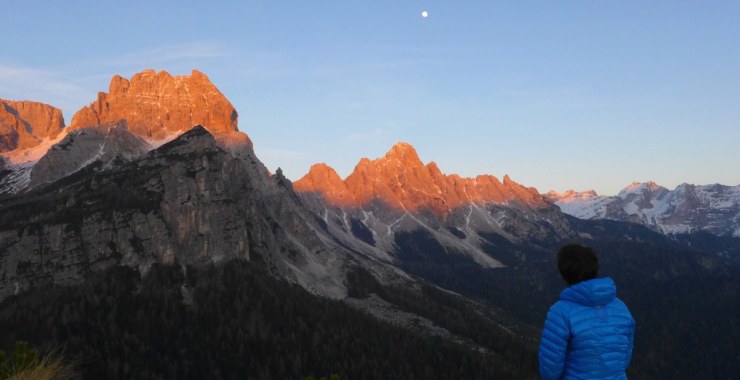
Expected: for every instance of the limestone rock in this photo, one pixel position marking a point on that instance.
(402, 181)
(322, 179)
(188, 200)
(397, 208)
(105, 143)
(24, 124)
(157, 105)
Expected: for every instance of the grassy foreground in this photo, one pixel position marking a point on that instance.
(26, 364)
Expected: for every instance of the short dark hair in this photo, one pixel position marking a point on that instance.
(577, 263)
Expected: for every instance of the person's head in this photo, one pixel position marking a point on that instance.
(577, 263)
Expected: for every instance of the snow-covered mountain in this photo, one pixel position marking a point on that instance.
(685, 209)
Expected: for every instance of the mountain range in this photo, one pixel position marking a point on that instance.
(685, 209)
(129, 190)
(154, 176)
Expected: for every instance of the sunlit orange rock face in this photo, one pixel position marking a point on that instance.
(402, 181)
(24, 124)
(323, 179)
(157, 105)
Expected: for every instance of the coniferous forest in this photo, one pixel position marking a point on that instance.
(233, 321)
(236, 320)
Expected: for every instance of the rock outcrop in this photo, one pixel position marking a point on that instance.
(158, 106)
(108, 143)
(399, 205)
(135, 116)
(24, 124)
(402, 181)
(189, 201)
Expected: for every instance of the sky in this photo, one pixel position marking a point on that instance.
(557, 94)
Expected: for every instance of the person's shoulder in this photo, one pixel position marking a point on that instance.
(561, 307)
(559, 314)
(619, 305)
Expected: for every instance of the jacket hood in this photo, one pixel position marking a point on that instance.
(599, 291)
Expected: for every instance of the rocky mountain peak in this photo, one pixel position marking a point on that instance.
(402, 181)
(321, 175)
(687, 208)
(552, 194)
(106, 143)
(404, 153)
(25, 124)
(643, 190)
(570, 194)
(400, 159)
(324, 180)
(197, 139)
(157, 105)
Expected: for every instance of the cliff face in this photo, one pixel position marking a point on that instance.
(157, 105)
(24, 124)
(100, 196)
(188, 200)
(136, 115)
(107, 143)
(397, 204)
(402, 181)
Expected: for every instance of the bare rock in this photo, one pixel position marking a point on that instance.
(81, 147)
(24, 124)
(401, 181)
(157, 105)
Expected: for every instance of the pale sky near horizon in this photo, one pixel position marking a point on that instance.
(557, 94)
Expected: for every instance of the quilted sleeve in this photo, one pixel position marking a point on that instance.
(631, 342)
(553, 345)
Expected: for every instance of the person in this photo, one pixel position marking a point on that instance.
(589, 332)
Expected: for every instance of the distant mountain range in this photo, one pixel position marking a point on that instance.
(386, 199)
(154, 176)
(685, 209)
(153, 108)
(402, 182)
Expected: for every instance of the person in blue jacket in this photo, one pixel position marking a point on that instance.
(589, 332)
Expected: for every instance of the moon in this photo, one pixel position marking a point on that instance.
(424, 14)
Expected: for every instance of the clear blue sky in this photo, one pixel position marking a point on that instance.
(557, 94)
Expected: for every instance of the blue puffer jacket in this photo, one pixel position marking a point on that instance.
(588, 334)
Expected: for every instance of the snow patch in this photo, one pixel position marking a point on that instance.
(18, 178)
(33, 154)
(688, 208)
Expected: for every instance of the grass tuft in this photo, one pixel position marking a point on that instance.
(27, 364)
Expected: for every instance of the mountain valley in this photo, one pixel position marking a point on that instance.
(148, 228)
